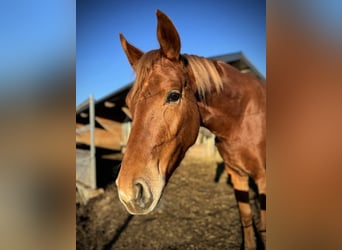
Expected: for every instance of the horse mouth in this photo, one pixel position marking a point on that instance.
(137, 208)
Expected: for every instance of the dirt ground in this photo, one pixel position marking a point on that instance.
(197, 211)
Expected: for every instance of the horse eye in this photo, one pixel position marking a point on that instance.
(173, 97)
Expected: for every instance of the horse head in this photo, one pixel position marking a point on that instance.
(165, 119)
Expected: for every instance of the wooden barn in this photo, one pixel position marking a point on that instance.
(103, 126)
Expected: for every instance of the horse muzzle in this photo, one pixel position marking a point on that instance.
(139, 199)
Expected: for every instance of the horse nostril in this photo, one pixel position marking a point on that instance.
(139, 191)
(142, 194)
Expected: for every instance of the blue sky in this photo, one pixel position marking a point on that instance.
(206, 27)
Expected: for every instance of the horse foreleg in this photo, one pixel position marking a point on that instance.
(241, 189)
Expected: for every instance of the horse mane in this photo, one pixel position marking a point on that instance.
(206, 72)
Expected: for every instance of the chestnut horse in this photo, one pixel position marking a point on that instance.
(173, 95)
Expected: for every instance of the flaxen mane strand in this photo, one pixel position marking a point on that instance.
(206, 75)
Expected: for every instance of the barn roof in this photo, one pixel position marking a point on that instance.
(241, 62)
(110, 106)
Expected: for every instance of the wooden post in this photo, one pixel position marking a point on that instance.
(92, 142)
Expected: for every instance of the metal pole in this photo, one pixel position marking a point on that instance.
(92, 142)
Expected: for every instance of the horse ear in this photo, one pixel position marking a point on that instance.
(168, 37)
(133, 54)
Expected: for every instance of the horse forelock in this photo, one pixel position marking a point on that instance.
(142, 69)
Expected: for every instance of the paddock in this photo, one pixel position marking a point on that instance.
(195, 212)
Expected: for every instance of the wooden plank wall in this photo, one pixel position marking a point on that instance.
(110, 137)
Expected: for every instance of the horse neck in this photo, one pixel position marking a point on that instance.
(241, 94)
